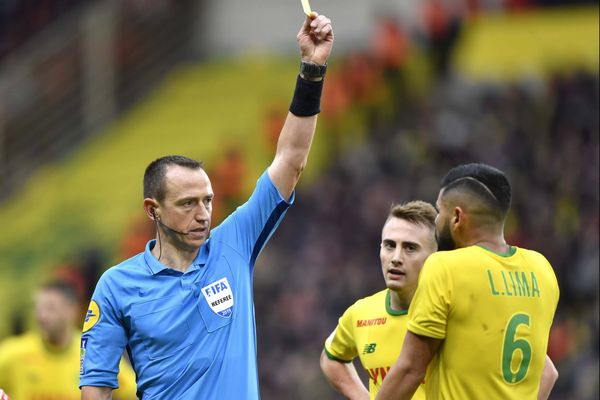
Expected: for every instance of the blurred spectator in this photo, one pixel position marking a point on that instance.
(391, 47)
(44, 364)
(442, 24)
(141, 230)
(273, 119)
(228, 177)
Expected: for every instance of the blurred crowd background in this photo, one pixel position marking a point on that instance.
(91, 92)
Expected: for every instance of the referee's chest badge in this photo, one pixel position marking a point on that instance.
(219, 297)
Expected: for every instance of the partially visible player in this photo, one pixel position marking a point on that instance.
(373, 328)
(44, 364)
(480, 319)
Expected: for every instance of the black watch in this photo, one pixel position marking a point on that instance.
(312, 71)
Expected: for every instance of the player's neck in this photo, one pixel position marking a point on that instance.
(497, 245)
(400, 301)
(60, 340)
(491, 238)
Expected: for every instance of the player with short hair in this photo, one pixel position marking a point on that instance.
(44, 364)
(480, 319)
(373, 328)
(183, 308)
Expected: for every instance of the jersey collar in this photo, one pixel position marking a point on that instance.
(156, 266)
(511, 252)
(388, 306)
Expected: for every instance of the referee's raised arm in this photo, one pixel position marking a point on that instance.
(315, 40)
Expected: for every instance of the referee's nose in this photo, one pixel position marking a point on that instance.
(202, 213)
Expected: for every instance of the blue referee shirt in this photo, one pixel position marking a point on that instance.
(189, 335)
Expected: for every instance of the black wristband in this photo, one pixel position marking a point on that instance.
(307, 98)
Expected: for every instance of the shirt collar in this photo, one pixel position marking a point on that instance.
(156, 266)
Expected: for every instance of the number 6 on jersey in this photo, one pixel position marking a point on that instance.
(511, 345)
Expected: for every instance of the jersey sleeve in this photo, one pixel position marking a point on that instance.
(250, 226)
(127, 386)
(104, 338)
(551, 275)
(5, 363)
(430, 306)
(340, 344)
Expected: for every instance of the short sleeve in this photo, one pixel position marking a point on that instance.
(5, 363)
(127, 386)
(429, 308)
(340, 344)
(251, 225)
(104, 339)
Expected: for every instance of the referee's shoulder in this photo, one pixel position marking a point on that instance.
(126, 268)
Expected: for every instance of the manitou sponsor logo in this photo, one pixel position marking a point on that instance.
(371, 322)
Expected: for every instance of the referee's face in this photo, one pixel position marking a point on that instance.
(185, 212)
(404, 248)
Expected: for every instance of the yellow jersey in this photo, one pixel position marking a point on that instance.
(30, 370)
(371, 330)
(494, 314)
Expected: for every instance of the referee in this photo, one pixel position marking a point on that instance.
(182, 309)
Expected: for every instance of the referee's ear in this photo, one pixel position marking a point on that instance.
(150, 207)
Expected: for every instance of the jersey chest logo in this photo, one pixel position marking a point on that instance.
(219, 297)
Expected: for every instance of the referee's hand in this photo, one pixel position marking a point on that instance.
(315, 39)
(3, 396)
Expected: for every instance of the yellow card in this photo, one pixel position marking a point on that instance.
(306, 7)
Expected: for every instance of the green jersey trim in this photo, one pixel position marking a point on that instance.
(334, 358)
(388, 306)
(511, 251)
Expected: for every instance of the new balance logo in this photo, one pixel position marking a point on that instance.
(369, 348)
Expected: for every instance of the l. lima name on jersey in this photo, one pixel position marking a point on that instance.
(513, 283)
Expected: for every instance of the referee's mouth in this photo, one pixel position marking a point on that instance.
(199, 232)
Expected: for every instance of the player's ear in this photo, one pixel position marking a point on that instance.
(458, 216)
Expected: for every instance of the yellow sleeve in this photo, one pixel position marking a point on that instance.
(5, 364)
(340, 345)
(429, 308)
(127, 385)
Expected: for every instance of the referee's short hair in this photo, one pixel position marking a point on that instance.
(415, 212)
(154, 176)
(488, 184)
